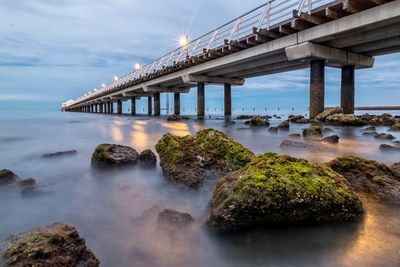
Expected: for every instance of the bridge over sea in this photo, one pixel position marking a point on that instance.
(278, 36)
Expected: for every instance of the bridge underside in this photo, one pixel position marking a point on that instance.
(340, 36)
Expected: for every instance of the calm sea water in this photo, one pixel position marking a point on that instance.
(116, 210)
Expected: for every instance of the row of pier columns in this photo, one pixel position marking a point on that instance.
(317, 88)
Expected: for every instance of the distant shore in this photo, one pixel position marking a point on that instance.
(379, 108)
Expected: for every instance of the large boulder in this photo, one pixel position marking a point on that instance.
(51, 246)
(395, 127)
(328, 112)
(278, 189)
(313, 131)
(191, 159)
(284, 125)
(369, 176)
(7, 177)
(114, 154)
(258, 121)
(345, 120)
(148, 158)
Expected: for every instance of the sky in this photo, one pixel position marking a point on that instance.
(55, 50)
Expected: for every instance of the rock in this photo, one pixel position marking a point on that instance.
(327, 130)
(369, 176)
(373, 133)
(174, 219)
(384, 136)
(386, 147)
(173, 118)
(51, 246)
(396, 167)
(284, 125)
(278, 190)
(298, 119)
(209, 154)
(313, 131)
(114, 154)
(59, 154)
(27, 182)
(345, 120)
(31, 190)
(333, 139)
(370, 129)
(295, 135)
(328, 112)
(395, 127)
(396, 143)
(273, 129)
(296, 144)
(7, 177)
(244, 117)
(147, 157)
(258, 121)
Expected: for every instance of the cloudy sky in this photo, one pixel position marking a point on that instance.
(55, 50)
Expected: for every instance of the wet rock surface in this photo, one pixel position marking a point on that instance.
(7, 177)
(345, 120)
(258, 121)
(192, 159)
(148, 158)
(244, 117)
(284, 125)
(27, 182)
(386, 147)
(278, 189)
(328, 112)
(290, 144)
(114, 154)
(60, 154)
(395, 127)
(174, 219)
(369, 176)
(313, 132)
(173, 118)
(273, 129)
(333, 139)
(295, 135)
(298, 119)
(51, 246)
(384, 136)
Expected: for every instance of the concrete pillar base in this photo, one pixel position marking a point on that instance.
(317, 87)
(347, 89)
(177, 103)
(133, 105)
(157, 105)
(227, 99)
(200, 99)
(119, 106)
(149, 106)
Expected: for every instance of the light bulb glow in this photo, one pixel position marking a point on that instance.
(138, 66)
(183, 40)
(103, 85)
(116, 78)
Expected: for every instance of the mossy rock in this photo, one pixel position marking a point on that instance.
(313, 131)
(114, 154)
(395, 127)
(278, 189)
(369, 176)
(51, 246)
(209, 154)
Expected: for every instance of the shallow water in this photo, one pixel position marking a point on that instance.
(116, 211)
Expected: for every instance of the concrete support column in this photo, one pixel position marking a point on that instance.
(101, 107)
(112, 107)
(119, 106)
(108, 107)
(317, 87)
(133, 105)
(157, 105)
(177, 103)
(227, 99)
(149, 106)
(90, 108)
(347, 89)
(200, 99)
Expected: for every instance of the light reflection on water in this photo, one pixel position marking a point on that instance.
(116, 210)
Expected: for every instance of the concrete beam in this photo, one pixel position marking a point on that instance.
(310, 51)
(191, 78)
(159, 89)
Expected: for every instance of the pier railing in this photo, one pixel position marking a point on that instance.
(271, 14)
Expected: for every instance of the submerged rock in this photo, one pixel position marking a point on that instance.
(59, 154)
(147, 157)
(298, 119)
(284, 125)
(386, 147)
(327, 130)
(51, 246)
(273, 129)
(372, 133)
(384, 136)
(370, 129)
(27, 182)
(174, 219)
(345, 120)
(31, 190)
(7, 177)
(244, 117)
(278, 189)
(369, 176)
(290, 144)
(209, 154)
(114, 154)
(258, 121)
(313, 131)
(328, 112)
(395, 127)
(333, 139)
(295, 135)
(173, 118)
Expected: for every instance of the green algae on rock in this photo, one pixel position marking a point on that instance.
(114, 154)
(278, 189)
(51, 246)
(369, 176)
(191, 159)
(313, 131)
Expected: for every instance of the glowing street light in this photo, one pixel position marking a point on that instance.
(103, 85)
(138, 66)
(116, 78)
(184, 43)
(95, 89)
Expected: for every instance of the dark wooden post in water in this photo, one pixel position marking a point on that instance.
(177, 103)
(227, 99)
(119, 106)
(200, 99)
(347, 89)
(317, 87)
(149, 106)
(133, 105)
(157, 106)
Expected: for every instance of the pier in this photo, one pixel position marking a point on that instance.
(278, 36)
